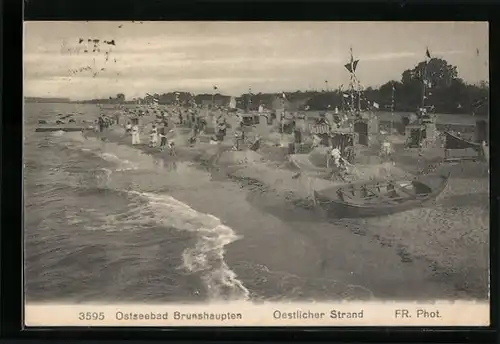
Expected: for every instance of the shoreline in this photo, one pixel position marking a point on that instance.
(291, 212)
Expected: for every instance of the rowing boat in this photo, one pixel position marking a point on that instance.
(455, 142)
(61, 128)
(380, 197)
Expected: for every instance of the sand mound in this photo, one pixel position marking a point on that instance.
(282, 181)
(239, 157)
(396, 139)
(279, 139)
(380, 171)
(318, 156)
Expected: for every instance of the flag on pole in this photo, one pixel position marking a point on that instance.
(427, 54)
(351, 66)
(154, 99)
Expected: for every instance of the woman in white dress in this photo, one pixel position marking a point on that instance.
(135, 135)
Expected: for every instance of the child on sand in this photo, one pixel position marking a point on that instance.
(153, 137)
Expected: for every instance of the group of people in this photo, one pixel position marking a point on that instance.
(156, 134)
(103, 122)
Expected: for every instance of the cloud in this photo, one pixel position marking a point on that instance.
(195, 55)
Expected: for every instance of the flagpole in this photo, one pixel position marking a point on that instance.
(213, 97)
(341, 99)
(352, 81)
(424, 77)
(283, 116)
(359, 97)
(392, 109)
(249, 98)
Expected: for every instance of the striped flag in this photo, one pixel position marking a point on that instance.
(154, 99)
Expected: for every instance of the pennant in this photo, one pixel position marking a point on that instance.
(427, 53)
(351, 67)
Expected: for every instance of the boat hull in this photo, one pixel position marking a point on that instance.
(337, 208)
(67, 129)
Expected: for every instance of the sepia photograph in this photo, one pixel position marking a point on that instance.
(199, 163)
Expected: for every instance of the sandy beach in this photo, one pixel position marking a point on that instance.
(439, 250)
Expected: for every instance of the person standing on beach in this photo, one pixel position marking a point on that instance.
(101, 123)
(181, 119)
(163, 137)
(153, 137)
(135, 135)
(128, 128)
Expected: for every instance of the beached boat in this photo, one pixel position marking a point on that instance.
(43, 129)
(382, 197)
(455, 142)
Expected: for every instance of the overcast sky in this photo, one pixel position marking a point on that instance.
(159, 57)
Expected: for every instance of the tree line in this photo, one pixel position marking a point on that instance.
(434, 83)
(444, 90)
